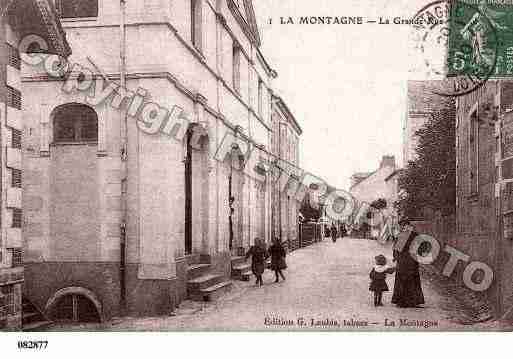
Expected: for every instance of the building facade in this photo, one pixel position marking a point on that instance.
(376, 185)
(373, 186)
(119, 214)
(285, 139)
(483, 196)
(17, 19)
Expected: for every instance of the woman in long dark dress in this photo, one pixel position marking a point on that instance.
(258, 254)
(278, 263)
(407, 286)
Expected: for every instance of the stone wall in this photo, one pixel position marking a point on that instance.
(477, 222)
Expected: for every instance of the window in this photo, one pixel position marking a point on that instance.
(77, 8)
(75, 123)
(7, 302)
(236, 67)
(17, 257)
(473, 152)
(196, 23)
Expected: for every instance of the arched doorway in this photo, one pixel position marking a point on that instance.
(74, 304)
(236, 201)
(196, 184)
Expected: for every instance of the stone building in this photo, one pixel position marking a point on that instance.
(483, 196)
(17, 19)
(373, 186)
(286, 134)
(368, 188)
(120, 215)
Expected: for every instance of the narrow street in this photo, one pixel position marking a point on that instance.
(326, 283)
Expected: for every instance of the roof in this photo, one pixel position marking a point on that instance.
(246, 18)
(363, 176)
(244, 12)
(393, 174)
(40, 17)
(290, 116)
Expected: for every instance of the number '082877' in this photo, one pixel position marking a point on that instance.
(29, 344)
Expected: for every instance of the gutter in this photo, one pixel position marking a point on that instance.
(123, 127)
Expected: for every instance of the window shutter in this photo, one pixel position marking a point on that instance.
(13, 56)
(16, 138)
(13, 98)
(16, 178)
(16, 218)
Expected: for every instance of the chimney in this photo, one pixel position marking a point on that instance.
(387, 161)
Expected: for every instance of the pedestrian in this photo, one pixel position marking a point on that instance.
(334, 233)
(278, 263)
(407, 286)
(258, 254)
(378, 275)
(343, 230)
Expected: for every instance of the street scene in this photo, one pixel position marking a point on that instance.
(328, 278)
(234, 165)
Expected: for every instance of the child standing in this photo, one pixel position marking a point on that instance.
(378, 275)
(278, 262)
(258, 254)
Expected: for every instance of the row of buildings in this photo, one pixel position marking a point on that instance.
(101, 219)
(481, 225)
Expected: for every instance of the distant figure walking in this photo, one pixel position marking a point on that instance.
(343, 230)
(407, 287)
(278, 262)
(258, 254)
(334, 233)
(378, 276)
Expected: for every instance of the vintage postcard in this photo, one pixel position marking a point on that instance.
(261, 166)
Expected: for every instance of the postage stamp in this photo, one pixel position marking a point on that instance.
(474, 41)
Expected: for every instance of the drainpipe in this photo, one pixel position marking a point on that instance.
(279, 193)
(123, 157)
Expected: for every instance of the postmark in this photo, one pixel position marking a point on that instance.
(460, 45)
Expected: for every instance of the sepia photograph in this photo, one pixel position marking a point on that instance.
(255, 166)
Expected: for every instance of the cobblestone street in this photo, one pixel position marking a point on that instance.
(326, 282)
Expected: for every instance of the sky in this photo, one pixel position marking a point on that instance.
(345, 84)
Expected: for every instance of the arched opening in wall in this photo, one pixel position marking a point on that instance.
(74, 123)
(235, 201)
(76, 305)
(75, 186)
(195, 177)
